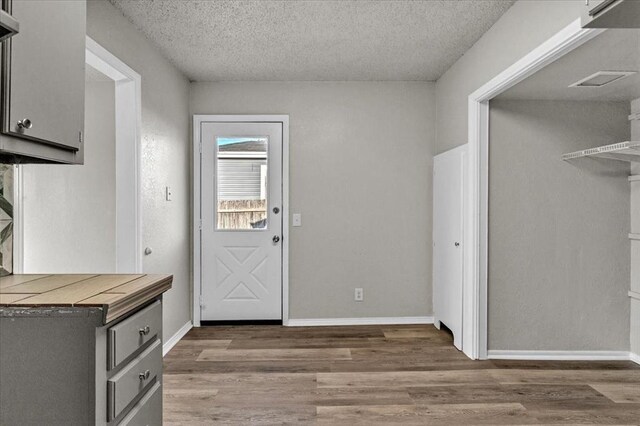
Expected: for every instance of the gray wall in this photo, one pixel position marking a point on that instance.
(165, 154)
(361, 167)
(521, 29)
(558, 231)
(69, 211)
(635, 245)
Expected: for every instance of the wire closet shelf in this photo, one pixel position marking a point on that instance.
(623, 151)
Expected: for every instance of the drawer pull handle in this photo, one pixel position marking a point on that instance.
(145, 375)
(144, 331)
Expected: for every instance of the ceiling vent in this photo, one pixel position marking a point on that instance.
(602, 78)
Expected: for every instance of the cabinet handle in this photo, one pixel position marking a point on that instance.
(25, 123)
(145, 375)
(144, 331)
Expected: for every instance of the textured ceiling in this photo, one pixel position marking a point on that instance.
(613, 50)
(313, 40)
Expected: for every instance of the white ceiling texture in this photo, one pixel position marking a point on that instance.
(313, 40)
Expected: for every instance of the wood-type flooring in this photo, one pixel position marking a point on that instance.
(380, 375)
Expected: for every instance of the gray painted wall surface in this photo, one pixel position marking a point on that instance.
(635, 228)
(558, 246)
(69, 211)
(521, 29)
(361, 167)
(165, 155)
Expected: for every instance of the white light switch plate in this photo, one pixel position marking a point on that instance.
(297, 219)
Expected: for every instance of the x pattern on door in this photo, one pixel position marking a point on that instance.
(242, 273)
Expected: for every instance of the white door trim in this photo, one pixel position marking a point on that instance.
(477, 215)
(128, 110)
(198, 119)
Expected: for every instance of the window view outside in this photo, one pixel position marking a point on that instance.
(241, 183)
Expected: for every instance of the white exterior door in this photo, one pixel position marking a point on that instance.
(241, 213)
(448, 202)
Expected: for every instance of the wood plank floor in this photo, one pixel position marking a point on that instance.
(379, 375)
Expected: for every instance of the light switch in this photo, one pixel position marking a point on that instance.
(297, 219)
(168, 193)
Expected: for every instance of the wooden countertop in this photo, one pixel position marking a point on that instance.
(116, 294)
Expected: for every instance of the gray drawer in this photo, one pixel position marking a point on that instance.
(147, 412)
(129, 335)
(141, 372)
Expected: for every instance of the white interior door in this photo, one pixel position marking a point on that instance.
(448, 202)
(241, 213)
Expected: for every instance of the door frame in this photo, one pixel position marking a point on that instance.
(476, 241)
(128, 115)
(198, 119)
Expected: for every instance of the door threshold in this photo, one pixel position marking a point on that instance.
(240, 322)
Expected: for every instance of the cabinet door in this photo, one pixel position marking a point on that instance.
(45, 74)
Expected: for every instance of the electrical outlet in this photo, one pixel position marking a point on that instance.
(358, 295)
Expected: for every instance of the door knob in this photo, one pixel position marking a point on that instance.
(276, 239)
(457, 244)
(276, 210)
(25, 123)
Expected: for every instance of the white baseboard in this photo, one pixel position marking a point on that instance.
(561, 355)
(634, 358)
(319, 322)
(171, 341)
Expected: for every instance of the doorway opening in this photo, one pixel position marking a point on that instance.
(115, 114)
(476, 217)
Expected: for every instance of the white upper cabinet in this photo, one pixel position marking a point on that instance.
(43, 82)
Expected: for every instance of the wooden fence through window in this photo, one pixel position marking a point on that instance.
(241, 214)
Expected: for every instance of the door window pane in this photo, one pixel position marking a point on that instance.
(241, 182)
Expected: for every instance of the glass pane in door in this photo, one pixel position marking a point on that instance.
(241, 183)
